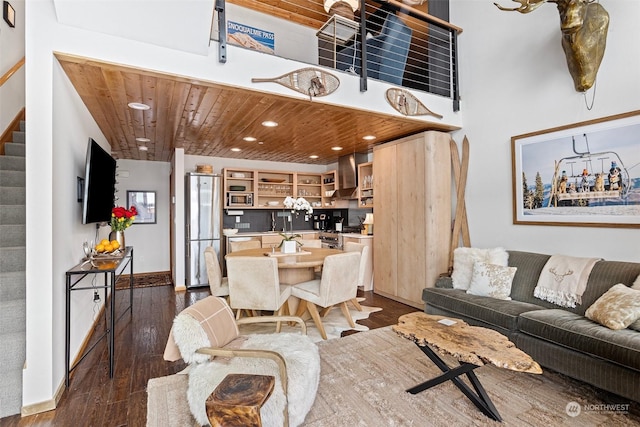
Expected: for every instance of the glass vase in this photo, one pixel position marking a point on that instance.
(118, 236)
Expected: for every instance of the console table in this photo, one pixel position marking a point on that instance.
(108, 266)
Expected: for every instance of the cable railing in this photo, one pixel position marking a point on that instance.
(403, 46)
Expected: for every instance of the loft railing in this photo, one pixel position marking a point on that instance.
(405, 46)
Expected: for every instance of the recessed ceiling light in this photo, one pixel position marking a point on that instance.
(236, 149)
(249, 138)
(313, 157)
(139, 139)
(138, 106)
(260, 142)
(369, 137)
(336, 148)
(269, 124)
(143, 148)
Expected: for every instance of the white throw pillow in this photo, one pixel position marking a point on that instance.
(464, 258)
(617, 308)
(491, 280)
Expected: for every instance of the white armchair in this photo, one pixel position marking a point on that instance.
(208, 329)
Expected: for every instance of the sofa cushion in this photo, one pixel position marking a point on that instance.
(502, 313)
(578, 333)
(617, 308)
(491, 280)
(464, 259)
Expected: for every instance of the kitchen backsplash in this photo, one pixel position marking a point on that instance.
(254, 220)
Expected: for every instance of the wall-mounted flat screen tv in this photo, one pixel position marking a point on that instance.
(99, 184)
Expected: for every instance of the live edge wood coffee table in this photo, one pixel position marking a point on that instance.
(472, 346)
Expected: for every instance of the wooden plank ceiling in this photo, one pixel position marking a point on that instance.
(210, 119)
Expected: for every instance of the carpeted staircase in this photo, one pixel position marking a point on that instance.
(12, 273)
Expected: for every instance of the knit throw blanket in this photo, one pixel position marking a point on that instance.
(564, 279)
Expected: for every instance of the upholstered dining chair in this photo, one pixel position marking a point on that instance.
(254, 284)
(218, 285)
(338, 284)
(207, 329)
(364, 258)
(245, 244)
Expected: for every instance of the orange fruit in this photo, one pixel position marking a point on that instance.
(115, 244)
(108, 248)
(104, 242)
(99, 247)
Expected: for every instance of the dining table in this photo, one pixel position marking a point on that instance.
(293, 268)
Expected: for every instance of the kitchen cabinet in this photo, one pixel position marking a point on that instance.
(365, 185)
(264, 189)
(239, 188)
(412, 187)
(329, 185)
(367, 241)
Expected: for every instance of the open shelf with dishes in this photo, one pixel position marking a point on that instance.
(308, 185)
(365, 185)
(329, 186)
(273, 187)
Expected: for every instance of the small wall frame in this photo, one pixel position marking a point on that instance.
(145, 203)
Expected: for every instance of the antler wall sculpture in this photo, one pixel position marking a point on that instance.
(584, 26)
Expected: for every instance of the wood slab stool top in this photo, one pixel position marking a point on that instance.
(237, 400)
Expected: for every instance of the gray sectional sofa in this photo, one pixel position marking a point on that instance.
(561, 339)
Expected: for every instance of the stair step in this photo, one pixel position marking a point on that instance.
(12, 259)
(11, 374)
(14, 149)
(12, 235)
(13, 286)
(12, 178)
(11, 392)
(19, 137)
(12, 214)
(12, 163)
(13, 318)
(12, 196)
(23, 126)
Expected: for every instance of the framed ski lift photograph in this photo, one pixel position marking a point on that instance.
(584, 174)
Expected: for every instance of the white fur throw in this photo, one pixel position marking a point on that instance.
(464, 258)
(303, 370)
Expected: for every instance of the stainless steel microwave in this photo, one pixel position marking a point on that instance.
(239, 199)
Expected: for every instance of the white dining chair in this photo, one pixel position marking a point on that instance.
(218, 285)
(254, 285)
(364, 258)
(338, 284)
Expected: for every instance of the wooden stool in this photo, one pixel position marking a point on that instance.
(237, 400)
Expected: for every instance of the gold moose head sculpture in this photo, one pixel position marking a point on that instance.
(584, 26)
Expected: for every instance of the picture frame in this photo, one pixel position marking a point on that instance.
(145, 203)
(583, 174)
(9, 14)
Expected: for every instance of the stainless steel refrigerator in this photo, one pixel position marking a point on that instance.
(203, 214)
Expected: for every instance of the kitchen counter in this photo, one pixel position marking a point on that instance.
(358, 235)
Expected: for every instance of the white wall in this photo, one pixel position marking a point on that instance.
(150, 241)
(514, 80)
(11, 51)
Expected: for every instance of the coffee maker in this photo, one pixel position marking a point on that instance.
(320, 222)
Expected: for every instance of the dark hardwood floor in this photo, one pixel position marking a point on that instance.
(94, 399)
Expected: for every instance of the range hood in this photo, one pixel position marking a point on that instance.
(348, 176)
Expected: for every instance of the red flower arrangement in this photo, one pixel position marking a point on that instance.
(122, 218)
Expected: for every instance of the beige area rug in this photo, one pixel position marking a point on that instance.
(363, 378)
(144, 280)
